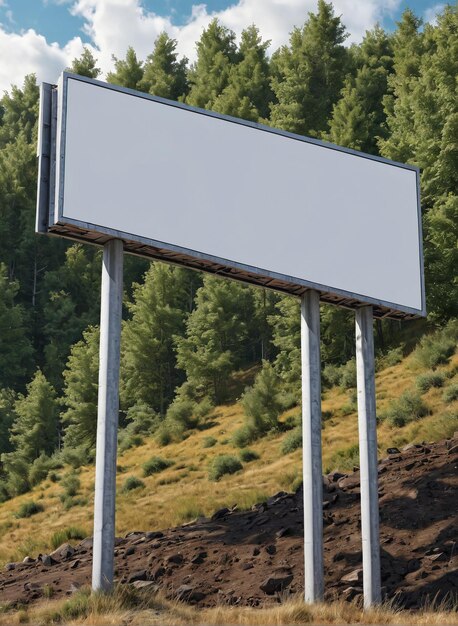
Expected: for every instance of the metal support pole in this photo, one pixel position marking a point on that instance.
(107, 417)
(367, 425)
(311, 447)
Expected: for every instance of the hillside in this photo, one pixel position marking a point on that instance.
(182, 491)
(247, 558)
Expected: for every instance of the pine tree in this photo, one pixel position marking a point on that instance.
(163, 74)
(85, 65)
(248, 93)
(158, 311)
(309, 74)
(216, 333)
(358, 119)
(7, 417)
(128, 72)
(15, 347)
(80, 394)
(209, 76)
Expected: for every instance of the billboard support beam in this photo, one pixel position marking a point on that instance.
(367, 425)
(107, 416)
(311, 446)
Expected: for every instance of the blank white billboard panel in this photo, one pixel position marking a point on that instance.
(245, 195)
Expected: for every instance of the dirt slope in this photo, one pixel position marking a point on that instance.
(248, 557)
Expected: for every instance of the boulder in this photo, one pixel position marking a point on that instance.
(356, 576)
(64, 551)
(277, 581)
(187, 593)
(139, 575)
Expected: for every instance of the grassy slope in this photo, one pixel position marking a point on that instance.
(183, 491)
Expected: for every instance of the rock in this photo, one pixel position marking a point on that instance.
(145, 584)
(139, 575)
(65, 551)
(29, 586)
(350, 482)
(440, 556)
(10, 566)
(130, 550)
(47, 560)
(75, 564)
(356, 576)
(86, 544)
(453, 450)
(199, 558)
(393, 451)
(336, 476)
(175, 558)
(246, 566)
(256, 551)
(276, 498)
(278, 581)
(283, 532)
(220, 514)
(259, 508)
(350, 593)
(154, 535)
(74, 587)
(271, 549)
(158, 572)
(28, 560)
(187, 593)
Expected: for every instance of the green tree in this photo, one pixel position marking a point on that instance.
(15, 347)
(262, 402)
(80, 393)
(248, 93)
(85, 65)
(358, 118)
(163, 74)
(308, 75)
(7, 417)
(158, 313)
(209, 75)
(128, 72)
(216, 334)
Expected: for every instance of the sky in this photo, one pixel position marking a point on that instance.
(44, 36)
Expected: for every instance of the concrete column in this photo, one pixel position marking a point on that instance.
(311, 446)
(367, 425)
(107, 417)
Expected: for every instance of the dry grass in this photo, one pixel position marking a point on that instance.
(183, 491)
(136, 609)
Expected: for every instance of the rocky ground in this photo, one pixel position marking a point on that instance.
(250, 557)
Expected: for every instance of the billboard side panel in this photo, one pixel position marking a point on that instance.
(225, 190)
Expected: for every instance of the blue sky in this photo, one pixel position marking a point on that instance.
(44, 35)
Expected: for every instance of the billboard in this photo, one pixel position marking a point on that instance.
(230, 197)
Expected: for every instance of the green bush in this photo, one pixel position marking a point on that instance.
(451, 393)
(203, 409)
(27, 509)
(70, 501)
(163, 435)
(132, 483)
(436, 349)
(344, 459)
(390, 358)
(243, 436)
(181, 412)
(292, 441)
(262, 403)
(223, 464)
(248, 455)
(155, 465)
(331, 376)
(288, 399)
(71, 484)
(128, 440)
(407, 408)
(430, 379)
(348, 377)
(67, 534)
(209, 442)
(41, 467)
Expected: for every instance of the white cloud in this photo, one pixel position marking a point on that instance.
(430, 15)
(113, 25)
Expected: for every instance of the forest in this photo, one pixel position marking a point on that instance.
(185, 334)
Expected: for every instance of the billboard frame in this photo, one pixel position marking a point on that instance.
(50, 218)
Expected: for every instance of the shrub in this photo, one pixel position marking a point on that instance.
(71, 483)
(331, 376)
(40, 468)
(390, 358)
(181, 412)
(27, 509)
(407, 408)
(243, 436)
(164, 436)
(262, 402)
(209, 442)
(69, 501)
(288, 399)
(344, 459)
(248, 455)
(76, 457)
(67, 534)
(132, 483)
(223, 464)
(430, 379)
(203, 409)
(155, 465)
(128, 440)
(348, 376)
(451, 393)
(292, 441)
(436, 349)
